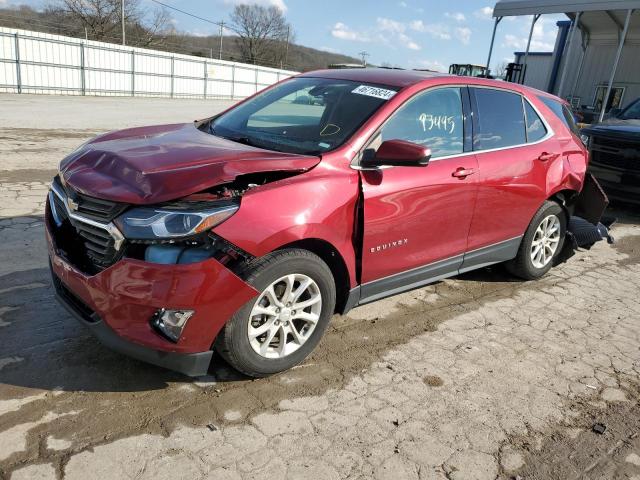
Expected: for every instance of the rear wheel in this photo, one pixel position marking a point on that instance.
(541, 243)
(282, 325)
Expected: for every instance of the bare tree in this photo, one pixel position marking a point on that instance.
(102, 20)
(501, 70)
(151, 32)
(99, 17)
(263, 32)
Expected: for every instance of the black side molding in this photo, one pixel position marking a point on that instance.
(421, 276)
(500, 252)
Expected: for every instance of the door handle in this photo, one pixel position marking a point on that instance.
(546, 156)
(463, 173)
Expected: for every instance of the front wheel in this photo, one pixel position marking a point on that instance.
(281, 326)
(541, 244)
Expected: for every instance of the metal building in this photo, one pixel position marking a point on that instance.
(539, 68)
(599, 56)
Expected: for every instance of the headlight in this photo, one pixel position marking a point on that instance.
(145, 223)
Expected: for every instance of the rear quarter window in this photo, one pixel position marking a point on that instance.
(535, 127)
(562, 112)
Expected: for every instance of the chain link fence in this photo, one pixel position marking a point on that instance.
(40, 63)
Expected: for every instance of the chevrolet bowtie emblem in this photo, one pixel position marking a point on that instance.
(72, 204)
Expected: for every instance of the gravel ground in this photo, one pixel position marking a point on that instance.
(476, 377)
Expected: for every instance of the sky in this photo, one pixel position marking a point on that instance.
(405, 33)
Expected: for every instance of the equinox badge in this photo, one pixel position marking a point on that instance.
(384, 246)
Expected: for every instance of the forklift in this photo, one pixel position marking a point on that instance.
(468, 70)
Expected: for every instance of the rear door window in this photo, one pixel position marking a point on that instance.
(499, 119)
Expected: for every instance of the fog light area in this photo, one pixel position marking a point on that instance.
(171, 323)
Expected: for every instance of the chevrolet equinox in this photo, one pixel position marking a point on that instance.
(245, 232)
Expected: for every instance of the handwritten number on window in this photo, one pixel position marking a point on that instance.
(439, 122)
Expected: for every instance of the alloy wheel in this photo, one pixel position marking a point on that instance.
(284, 316)
(545, 241)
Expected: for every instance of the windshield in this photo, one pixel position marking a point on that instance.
(302, 115)
(632, 112)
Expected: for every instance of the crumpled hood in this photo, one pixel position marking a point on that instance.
(148, 165)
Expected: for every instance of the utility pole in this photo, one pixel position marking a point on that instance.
(124, 41)
(221, 30)
(286, 48)
(364, 56)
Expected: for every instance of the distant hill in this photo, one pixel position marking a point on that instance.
(299, 58)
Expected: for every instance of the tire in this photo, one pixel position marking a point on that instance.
(526, 265)
(279, 269)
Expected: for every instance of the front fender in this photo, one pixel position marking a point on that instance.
(319, 204)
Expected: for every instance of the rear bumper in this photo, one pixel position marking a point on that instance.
(118, 303)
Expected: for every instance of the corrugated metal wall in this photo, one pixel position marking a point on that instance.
(538, 69)
(598, 62)
(33, 62)
(597, 69)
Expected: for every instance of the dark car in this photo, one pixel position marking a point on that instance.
(615, 153)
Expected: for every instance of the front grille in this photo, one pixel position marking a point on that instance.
(99, 244)
(615, 153)
(93, 208)
(88, 246)
(98, 209)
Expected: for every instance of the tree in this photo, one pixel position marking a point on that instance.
(501, 70)
(263, 33)
(102, 20)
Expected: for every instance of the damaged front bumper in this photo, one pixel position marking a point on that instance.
(119, 303)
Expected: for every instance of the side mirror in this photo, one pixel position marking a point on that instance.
(397, 153)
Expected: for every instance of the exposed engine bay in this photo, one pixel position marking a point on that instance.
(206, 245)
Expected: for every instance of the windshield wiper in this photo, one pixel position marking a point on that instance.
(238, 139)
(244, 141)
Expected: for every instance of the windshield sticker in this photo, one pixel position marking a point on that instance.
(324, 145)
(438, 122)
(376, 92)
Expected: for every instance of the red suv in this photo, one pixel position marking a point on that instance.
(245, 232)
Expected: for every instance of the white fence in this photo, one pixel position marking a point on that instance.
(32, 62)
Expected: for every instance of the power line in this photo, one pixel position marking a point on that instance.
(189, 14)
(220, 24)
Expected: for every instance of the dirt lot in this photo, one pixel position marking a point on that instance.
(476, 377)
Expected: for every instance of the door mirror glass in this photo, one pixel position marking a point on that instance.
(397, 153)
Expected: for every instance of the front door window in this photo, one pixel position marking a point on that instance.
(433, 119)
